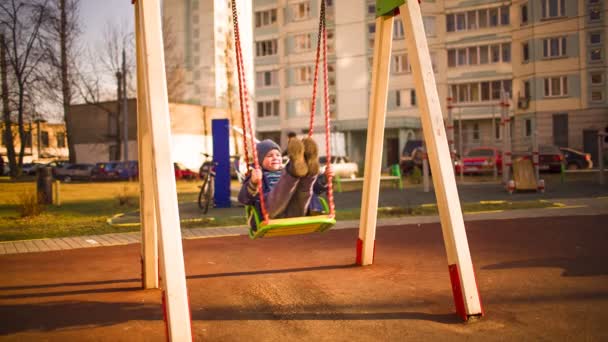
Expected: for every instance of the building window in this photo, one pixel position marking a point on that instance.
(268, 108)
(266, 48)
(556, 86)
(449, 21)
(495, 53)
(473, 55)
(524, 14)
(504, 16)
(474, 92)
(595, 54)
(475, 132)
(302, 107)
(398, 32)
(496, 90)
(493, 17)
(553, 8)
(554, 47)
(471, 20)
(265, 18)
(302, 42)
(28, 139)
(595, 38)
(401, 64)
(44, 139)
(528, 127)
(460, 22)
(371, 8)
(525, 52)
(595, 13)
(60, 136)
(371, 28)
(413, 97)
(485, 91)
(506, 52)
(483, 54)
(304, 74)
(301, 11)
(267, 78)
(451, 58)
(405, 98)
(462, 56)
(429, 26)
(597, 95)
(597, 78)
(482, 18)
(497, 129)
(527, 93)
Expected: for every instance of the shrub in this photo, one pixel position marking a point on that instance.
(27, 204)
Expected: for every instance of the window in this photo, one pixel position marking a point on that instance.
(595, 54)
(525, 52)
(330, 41)
(504, 16)
(398, 32)
(497, 129)
(266, 48)
(524, 14)
(401, 64)
(597, 78)
(451, 58)
(506, 52)
(429, 26)
(462, 56)
(554, 47)
(595, 13)
(44, 139)
(265, 18)
(482, 18)
(553, 8)
(471, 20)
(493, 17)
(405, 98)
(463, 93)
(460, 22)
(28, 139)
(371, 8)
(556, 86)
(483, 54)
(595, 38)
(527, 89)
(413, 97)
(495, 53)
(449, 20)
(597, 95)
(302, 42)
(496, 90)
(485, 91)
(268, 108)
(303, 74)
(371, 28)
(301, 10)
(473, 55)
(302, 106)
(60, 136)
(507, 87)
(475, 131)
(267, 78)
(474, 88)
(528, 127)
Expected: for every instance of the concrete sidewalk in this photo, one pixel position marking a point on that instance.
(571, 207)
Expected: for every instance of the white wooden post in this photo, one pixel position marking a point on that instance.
(175, 294)
(375, 137)
(147, 215)
(464, 286)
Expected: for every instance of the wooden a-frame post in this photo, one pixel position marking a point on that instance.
(464, 287)
(158, 189)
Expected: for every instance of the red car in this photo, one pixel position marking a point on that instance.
(480, 160)
(181, 172)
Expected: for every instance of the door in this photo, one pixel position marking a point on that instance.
(590, 144)
(392, 151)
(560, 130)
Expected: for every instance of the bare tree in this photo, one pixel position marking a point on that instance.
(7, 133)
(174, 62)
(21, 22)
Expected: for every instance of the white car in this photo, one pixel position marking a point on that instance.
(341, 165)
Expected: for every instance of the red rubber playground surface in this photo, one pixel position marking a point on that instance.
(539, 279)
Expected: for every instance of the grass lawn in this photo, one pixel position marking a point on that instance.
(86, 207)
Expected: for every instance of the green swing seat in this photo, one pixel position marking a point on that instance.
(290, 225)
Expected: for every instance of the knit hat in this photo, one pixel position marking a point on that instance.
(264, 147)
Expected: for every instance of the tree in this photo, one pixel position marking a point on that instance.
(21, 22)
(7, 134)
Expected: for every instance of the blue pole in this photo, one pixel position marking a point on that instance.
(220, 129)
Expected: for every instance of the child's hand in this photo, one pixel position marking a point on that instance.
(256, 176)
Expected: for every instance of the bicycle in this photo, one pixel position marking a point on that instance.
(207, 175)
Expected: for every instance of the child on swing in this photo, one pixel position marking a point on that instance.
(287, 190)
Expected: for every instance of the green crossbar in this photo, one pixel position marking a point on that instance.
(385, 7)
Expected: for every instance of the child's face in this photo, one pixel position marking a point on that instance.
(272, 161)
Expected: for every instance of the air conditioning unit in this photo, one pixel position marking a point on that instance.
(523, 102)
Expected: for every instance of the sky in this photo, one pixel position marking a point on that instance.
(96, 14)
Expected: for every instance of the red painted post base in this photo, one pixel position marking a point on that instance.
(457, 293)
(359, 260)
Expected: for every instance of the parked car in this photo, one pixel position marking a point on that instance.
(182, 172)
(550, 158)
(411, 156)
(30, 169)
(480, 160)
(74, 172)
(105, 171)
(57, 164)
(126, 170)
(341, 166)
(576, 159)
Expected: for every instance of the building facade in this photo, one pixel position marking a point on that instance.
(548, 56)
(44, 142)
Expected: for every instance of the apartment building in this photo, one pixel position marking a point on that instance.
(548, 56)
(202, 47)
(44, 141)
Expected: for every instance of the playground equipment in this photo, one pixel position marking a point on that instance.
(161, 240)
(265, 226)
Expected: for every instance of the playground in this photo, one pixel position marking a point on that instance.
(540, 279)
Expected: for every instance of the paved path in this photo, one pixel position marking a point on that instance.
(571, 207)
